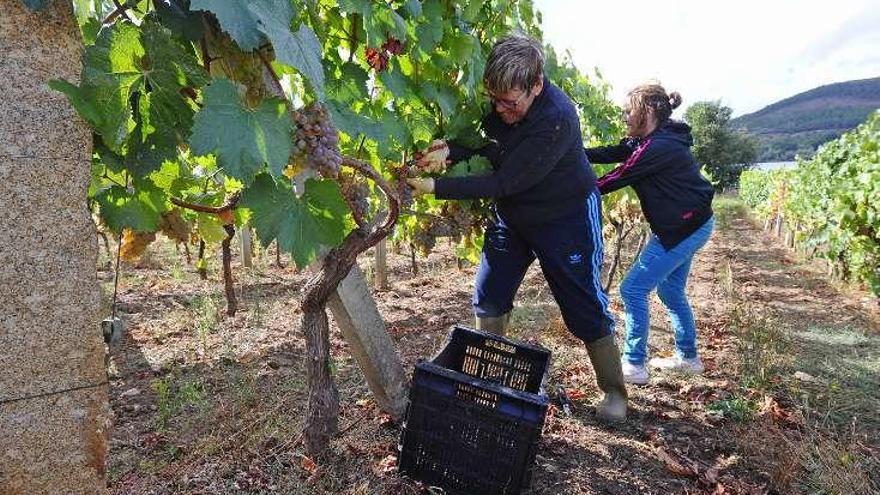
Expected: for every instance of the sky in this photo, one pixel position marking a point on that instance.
(745, 53)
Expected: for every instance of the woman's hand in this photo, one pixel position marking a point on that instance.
(435, 159)
(421, 186)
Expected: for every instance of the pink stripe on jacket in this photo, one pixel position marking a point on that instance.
(623, 167)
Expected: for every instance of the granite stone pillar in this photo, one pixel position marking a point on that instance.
(54, 414)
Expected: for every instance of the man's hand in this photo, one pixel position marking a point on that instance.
(421, 186)
(435, 158)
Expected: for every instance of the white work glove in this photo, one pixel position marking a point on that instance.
(421, 186)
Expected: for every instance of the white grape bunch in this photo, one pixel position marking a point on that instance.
(316, 140)
(357, 195)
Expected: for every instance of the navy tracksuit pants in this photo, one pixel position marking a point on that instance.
(569, 250)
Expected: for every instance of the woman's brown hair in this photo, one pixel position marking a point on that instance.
(652, 96)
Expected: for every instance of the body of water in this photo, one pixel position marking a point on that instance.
(774, 165)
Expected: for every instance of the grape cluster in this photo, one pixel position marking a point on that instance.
(461, 216)
(377, 58)
(404, 192)
(357, 195)
(393, 46)
(316, 140)
(456, 221)
(425, 236)
(134, 244)
(174, 226)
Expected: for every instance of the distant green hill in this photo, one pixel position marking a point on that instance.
(798, 125)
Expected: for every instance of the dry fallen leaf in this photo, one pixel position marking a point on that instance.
(386, 466)
(309, 465)
(677, 463)
(776, 412)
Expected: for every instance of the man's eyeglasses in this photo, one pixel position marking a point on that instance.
(507, 104)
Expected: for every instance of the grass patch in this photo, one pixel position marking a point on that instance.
(174, 397)
(762, 347)
(727, 208)
(206, 313)
(738, 409)
(836, 466)
(842, 371)
(831, 375)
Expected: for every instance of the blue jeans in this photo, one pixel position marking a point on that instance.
(666, 271)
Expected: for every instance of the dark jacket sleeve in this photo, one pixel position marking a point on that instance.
(521, 168)
(612, 154)
(645, 160)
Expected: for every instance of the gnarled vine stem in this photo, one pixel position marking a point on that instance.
(322, 420)
(225, 213)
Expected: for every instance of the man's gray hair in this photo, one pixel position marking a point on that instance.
(516, 62)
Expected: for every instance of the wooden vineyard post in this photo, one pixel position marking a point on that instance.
(246, 247)
(355, 311)
(381, 265)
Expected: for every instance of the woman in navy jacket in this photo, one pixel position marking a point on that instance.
(656, 160)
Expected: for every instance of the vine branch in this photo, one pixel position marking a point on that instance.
(271, 71)
(120, 11)
(230, 204)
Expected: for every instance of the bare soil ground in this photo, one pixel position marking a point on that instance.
(207, 404)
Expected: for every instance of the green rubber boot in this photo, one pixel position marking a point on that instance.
(494, 324)
(609, 376)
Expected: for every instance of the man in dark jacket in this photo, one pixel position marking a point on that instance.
(676, 200)
(547, 207)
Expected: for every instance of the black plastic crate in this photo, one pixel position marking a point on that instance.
(475, 415)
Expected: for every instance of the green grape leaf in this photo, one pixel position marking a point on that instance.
(391, 129)
(348, 121)
(148, 155)
(396, 81)
(80, 98)
(350, 85)
(210, 228)
(176, 179)
(470, 12)
(89, 29)
(243, 139)
(139, 211)
(430, 32)
(413, 8)
(354, 6)
(106, 157)
(243, 20)
(250, 23)
(143, 62)
(300, 225)
(443, 95)
(167, 69)
(388, 19)
(110, 73)
(177, 16)
(476, 165)
(300, 50)
(433, 10)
